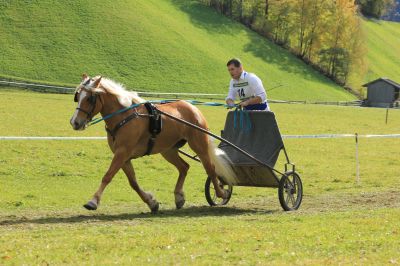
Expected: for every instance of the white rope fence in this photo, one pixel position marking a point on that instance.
(175, 95)
(50, 138)
(338, 136)
(321, 136)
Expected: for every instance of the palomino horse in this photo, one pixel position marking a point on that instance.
(130, 141)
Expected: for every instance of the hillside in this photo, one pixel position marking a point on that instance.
(383, 51)
(150, 45)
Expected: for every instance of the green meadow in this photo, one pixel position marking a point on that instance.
(43, 185)
(183, 46)
(149, 45)
(383, 49)
(382, 52)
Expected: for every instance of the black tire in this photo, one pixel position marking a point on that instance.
(290, 191)
(211, 196)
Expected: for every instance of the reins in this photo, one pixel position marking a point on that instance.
(194, 102)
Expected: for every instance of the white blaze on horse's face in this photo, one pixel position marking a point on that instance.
(86, 96)
(78, 120)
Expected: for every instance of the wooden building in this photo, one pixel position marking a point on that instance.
(382, 92)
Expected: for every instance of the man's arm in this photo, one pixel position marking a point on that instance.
(230, 99)
(259, 92)
(251, 101)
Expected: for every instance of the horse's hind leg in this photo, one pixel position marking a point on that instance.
(148, 198)
(173, 157)
(200, 145)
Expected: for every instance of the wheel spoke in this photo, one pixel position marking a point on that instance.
(292, 199)
(287, 198)
(295, 184)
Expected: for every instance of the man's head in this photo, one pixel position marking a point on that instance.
(235, 68)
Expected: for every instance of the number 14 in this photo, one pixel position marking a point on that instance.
(241, 93)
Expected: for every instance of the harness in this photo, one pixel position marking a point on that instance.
(155, 124)
(113, 131)
(155, 121)
(92, 99)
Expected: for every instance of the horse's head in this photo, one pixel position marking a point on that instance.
(88, 97)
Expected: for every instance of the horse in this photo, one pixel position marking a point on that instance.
(128, 137)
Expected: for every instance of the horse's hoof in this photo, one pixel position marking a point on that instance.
(153, 203)
(179, 200)
(154, 209)
(227, 194)
(91, 206)
(180, 204)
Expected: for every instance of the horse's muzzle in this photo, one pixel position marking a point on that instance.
(78, 126)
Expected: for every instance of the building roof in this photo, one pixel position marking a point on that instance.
(391, 82)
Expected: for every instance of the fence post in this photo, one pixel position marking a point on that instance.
(387, 115)
(357, 162)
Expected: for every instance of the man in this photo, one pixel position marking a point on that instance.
(247, 87)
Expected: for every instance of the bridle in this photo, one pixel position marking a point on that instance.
(92, 99)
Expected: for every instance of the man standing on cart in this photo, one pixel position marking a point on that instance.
(247, 87)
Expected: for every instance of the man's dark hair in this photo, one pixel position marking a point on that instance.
(236, 62)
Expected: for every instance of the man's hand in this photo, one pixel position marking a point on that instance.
(230, 103)
(244, 103)
(252, 100)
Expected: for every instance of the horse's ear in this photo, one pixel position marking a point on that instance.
(84, 77)
(96, 82)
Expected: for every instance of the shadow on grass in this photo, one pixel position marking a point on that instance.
(189, 212)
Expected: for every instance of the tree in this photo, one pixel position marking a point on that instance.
(342, 40)
(375, 8)
(323, 33)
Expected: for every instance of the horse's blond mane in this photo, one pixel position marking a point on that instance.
(125, 98)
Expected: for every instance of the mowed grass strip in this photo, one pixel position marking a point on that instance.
(382, 52)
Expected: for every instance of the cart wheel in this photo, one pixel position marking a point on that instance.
(290, 191)
(211, 195)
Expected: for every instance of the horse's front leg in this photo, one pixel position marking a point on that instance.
(120, 157)
(148, 198)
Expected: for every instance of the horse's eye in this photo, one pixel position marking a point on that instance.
(92, 99)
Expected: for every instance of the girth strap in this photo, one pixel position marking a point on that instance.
(155, 125)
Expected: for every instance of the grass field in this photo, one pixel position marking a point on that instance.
(44, 183)
(152, 45)
(383, 52)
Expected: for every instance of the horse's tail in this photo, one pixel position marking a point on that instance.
(222, 163)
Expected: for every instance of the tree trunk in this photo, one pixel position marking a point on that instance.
(302, 29)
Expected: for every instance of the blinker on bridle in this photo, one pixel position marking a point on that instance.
(92, 99)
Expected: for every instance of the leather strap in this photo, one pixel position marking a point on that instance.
(113, 131)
